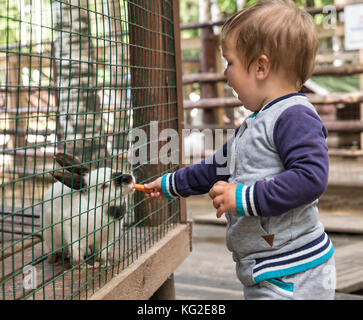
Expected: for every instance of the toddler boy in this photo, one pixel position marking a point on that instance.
(281, 159)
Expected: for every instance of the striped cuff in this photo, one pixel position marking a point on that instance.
(246, 201)
(168, 186)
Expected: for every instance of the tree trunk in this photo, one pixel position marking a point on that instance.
(119, 93)
(80, 117)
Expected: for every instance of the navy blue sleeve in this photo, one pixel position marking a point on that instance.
(300, 139)
(198, 178)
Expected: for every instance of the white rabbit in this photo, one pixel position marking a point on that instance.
(84, 210)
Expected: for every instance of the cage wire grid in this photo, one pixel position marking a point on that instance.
(76, 77)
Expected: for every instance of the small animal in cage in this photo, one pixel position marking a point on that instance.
(84, 210)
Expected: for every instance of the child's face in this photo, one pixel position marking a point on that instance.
(242, 81)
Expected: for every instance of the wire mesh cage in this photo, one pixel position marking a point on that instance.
(77, 78)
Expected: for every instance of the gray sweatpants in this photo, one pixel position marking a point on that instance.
(314, 284)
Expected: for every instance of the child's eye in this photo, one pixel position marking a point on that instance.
(227, 64)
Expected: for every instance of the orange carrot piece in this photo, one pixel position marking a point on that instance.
(141, 187)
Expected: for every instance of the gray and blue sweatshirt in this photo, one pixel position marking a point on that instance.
(279, 160)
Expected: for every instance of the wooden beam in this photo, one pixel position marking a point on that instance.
(190, 43)
(202, 25)
(29, 110)
(342, 223)
(332, 126)
(345, 153)
(210, 126)
(29, 151)
(328, 57)
(341, 71)
(26, 131)
(335, 98)
(231, 102)
(344, 126)
(337, 31)
(228, 102)
(203, 77)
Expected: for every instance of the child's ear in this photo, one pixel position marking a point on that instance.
(262, 67)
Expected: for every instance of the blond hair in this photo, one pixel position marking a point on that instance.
(281, 31)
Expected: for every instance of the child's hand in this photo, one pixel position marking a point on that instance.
(223, 195)
(157, 192)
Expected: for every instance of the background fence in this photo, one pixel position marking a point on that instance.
(77, 76)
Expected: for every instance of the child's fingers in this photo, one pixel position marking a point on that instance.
(215, 191)
(150, 195)
(156, 184)
(220, 211)
(211, 193)
(149, 185)
(217, 201)
(156, 195)
(154, 190)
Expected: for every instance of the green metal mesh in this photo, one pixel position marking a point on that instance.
(76, 76)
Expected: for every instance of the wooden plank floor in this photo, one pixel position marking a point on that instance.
(209, 272)
(349, 267)
(342, 223)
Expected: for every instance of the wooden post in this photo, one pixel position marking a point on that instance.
(166, 291)
(361, 89)
(152, 92)
(220, 112)
(144, 57)
(208, 61)
(179, 92)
